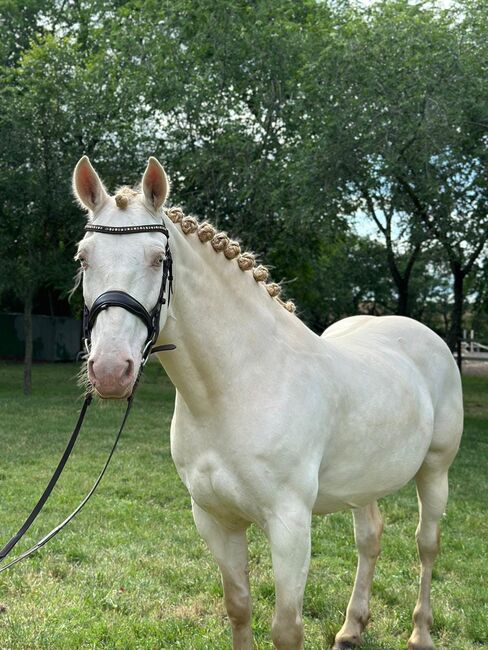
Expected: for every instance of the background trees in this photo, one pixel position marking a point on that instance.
(345, 144)
(407, 143)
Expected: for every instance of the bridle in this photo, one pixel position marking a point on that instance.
(123, 299)
(112, 298)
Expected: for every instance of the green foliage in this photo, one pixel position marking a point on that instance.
(403, 88)
(279, 121)
(132, 572)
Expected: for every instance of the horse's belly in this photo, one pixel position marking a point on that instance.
(359, 490)
(380, 431)
(371, 466)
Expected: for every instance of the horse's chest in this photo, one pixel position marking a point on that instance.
(216, 487)
(210, 477)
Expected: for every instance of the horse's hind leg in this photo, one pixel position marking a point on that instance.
(432, 491)
(368, 526)
(229, 547)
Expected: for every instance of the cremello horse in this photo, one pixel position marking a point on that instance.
(273, 423)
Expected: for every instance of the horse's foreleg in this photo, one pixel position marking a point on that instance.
(229, 547)
(432, 491)
(368, 527)
(289, 535)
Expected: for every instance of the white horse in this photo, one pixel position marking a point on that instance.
(273, 423)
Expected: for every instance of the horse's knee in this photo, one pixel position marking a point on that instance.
(369, 544)
(287, 631)
(238, 606)
(428, 541)
(367, 530)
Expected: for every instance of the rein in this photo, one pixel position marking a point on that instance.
(151, 320)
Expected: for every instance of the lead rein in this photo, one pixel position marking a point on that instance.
(151, 320)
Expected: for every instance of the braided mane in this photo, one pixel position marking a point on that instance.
(220, 242)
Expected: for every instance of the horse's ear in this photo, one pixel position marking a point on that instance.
(87, 186)
(155, 184)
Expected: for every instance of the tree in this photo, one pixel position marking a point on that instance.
(50, 116)
(478, 305)
(279, 122)
(32, 229)
(403, 130)
(219, 101)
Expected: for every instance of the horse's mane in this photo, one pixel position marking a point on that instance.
(219, 241)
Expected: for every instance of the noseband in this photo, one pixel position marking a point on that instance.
(115, 298)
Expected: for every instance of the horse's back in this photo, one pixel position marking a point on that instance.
(388, 336)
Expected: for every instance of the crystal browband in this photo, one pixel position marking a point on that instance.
(126, 230)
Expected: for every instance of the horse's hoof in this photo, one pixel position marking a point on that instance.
(345, 645)
(412, 645)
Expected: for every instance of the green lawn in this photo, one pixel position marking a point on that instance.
(132, 572)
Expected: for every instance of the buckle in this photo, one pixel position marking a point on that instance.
(146, 352)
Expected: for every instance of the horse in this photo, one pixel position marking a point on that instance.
(272, 423)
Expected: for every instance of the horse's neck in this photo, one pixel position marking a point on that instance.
(222, 322)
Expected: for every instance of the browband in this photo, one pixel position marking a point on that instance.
(127, 230)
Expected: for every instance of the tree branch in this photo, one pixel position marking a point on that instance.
(372, 209)
(429, 222)
(474, 255)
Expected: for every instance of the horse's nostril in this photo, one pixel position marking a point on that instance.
(129, 369)
(90, 368)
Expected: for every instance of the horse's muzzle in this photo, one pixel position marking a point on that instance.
(112, 377)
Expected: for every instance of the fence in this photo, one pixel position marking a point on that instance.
(54, 338)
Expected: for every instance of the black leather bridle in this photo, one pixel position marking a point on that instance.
(113, 298)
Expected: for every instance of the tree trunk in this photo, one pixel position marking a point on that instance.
(403, 296)
(28, 344)
(402, 281)
(455, 334)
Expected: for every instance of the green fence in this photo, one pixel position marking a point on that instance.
(54, 338)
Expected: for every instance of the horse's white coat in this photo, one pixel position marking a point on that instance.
(273, 422)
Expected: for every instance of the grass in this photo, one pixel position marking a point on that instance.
(132, 572)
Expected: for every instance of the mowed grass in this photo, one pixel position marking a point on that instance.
(132, 572)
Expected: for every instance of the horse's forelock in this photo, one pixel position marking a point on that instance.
(124, 196)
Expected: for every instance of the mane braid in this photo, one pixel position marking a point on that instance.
(231, 249)
(124, 196)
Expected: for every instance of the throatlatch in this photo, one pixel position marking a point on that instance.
(151, 320)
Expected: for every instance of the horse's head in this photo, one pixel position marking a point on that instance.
(130, 264)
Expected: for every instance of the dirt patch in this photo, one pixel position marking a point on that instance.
(477, 368)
